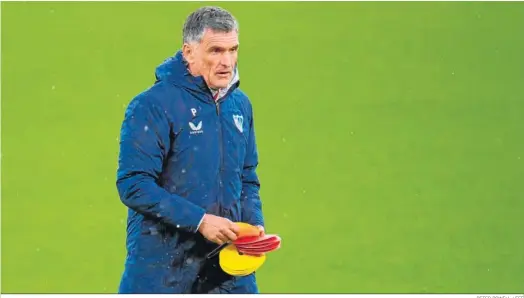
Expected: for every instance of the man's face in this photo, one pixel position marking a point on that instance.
(214, 58)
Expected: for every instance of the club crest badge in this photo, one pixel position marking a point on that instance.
(239, 122)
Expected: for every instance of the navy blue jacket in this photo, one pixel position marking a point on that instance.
(182, 154)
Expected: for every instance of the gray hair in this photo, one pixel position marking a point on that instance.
(209, 17)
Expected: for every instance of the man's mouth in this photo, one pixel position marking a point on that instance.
(223, 73)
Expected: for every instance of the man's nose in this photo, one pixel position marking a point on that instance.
(226, 59)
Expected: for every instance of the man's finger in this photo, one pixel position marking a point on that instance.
(222, 237)
(230, 235)
(218, 241)
(234, 227)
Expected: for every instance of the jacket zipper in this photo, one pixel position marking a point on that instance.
(222, 212)
(221, 150)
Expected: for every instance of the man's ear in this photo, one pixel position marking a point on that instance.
(188, 51)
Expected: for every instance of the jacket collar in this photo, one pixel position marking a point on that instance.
(174, 70)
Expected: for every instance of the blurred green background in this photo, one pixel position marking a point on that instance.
(390, 135)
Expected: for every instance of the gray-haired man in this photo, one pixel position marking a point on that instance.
(187, 165)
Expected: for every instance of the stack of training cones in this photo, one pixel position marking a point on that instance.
(246, 254)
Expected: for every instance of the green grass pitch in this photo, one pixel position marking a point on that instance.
(390, 137)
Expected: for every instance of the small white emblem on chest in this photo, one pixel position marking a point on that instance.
(239, 122)
(196, 129)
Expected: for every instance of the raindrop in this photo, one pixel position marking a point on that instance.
(178, 226)
(183, 171)
(53, 87)
(146, 128)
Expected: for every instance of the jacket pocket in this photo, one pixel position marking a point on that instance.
(156, 240)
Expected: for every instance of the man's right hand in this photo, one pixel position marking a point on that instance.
(218, 229)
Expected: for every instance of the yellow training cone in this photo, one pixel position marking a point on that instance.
(247, 230)
(236, 264)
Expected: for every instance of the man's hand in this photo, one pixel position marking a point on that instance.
(218, 229)
(262, 231)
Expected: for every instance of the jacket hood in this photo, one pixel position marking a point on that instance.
(174, 70)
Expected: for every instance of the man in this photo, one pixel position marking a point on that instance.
(187, 165)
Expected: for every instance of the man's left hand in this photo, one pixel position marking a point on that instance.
(262, 231)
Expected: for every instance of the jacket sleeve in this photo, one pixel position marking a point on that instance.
(144, 144)
(250, 198)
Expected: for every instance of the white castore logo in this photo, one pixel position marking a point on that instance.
(196, 129)
(239, 122)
